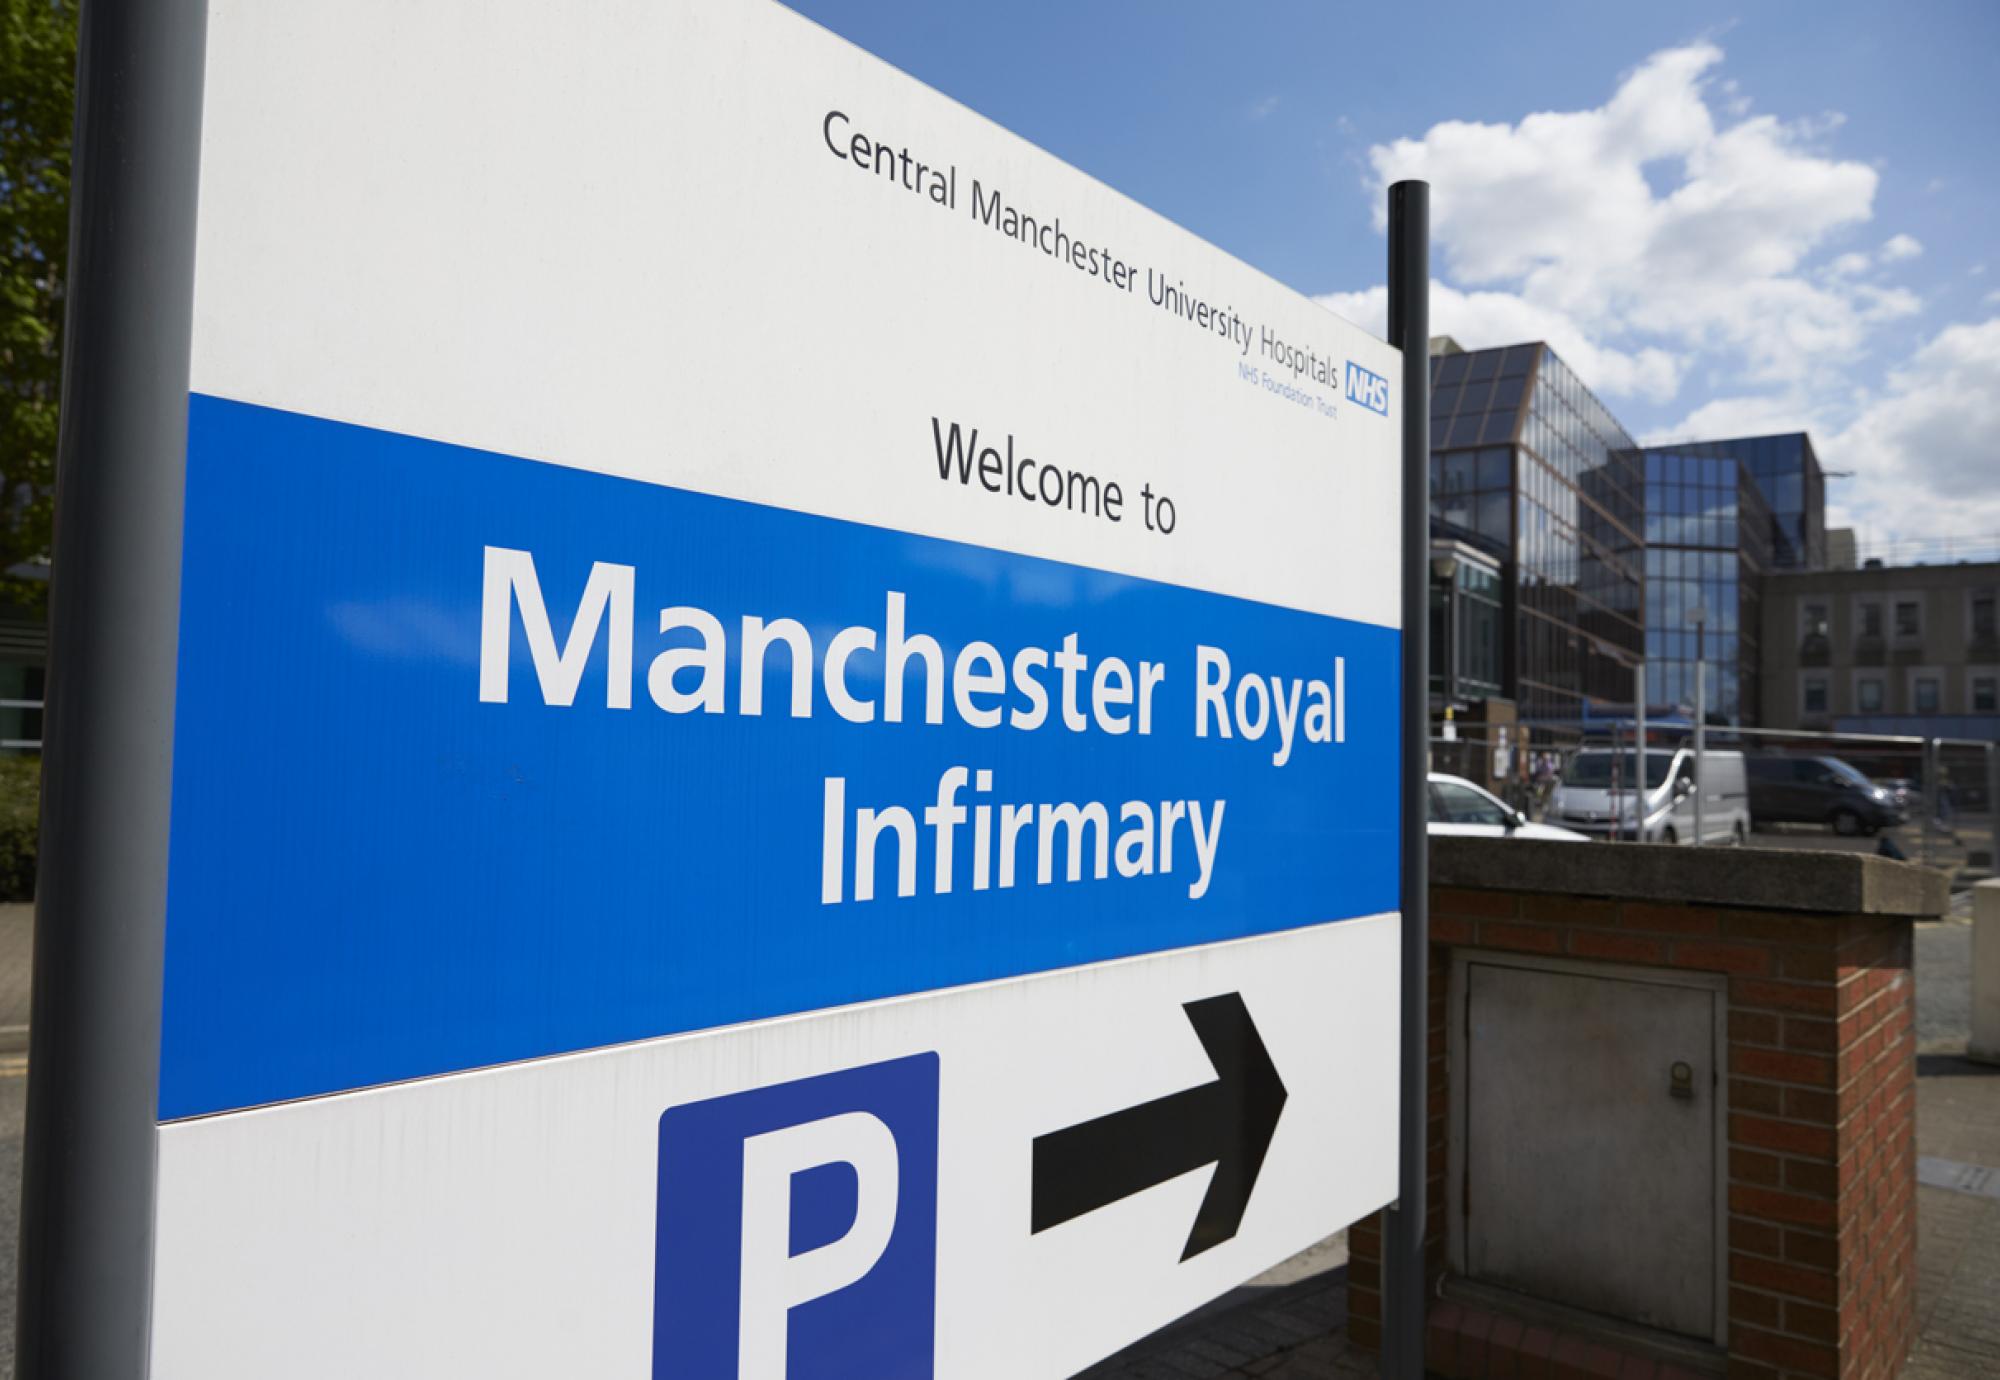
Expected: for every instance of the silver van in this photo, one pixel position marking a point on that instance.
(1599, 796)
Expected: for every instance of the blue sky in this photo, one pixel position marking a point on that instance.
(1730, 220)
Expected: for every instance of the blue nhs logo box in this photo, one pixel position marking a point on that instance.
(1368, 389)
(798, 1230)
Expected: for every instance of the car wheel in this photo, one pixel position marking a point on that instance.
(1845, 822)
(1668, 836)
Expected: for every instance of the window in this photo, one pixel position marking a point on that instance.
(1813, 620)
(1868, 694)
(1982, 616)
(1813, 701)
(1456, 803)
(1985, 694)
(1909, 618)
(1926, 695)
(1871, 620)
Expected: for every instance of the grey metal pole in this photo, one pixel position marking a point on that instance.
(1404, 1281)
(87, 1177)
(1617, 785)
(1929, 767)
(1639, 745)
(1930, 824)
(1993, 803)
(1700, 726)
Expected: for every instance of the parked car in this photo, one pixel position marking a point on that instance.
(1819, 790)
(1903, 793)
(1459, 807)
(1599, 796)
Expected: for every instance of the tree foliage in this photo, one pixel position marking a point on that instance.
(37, 100)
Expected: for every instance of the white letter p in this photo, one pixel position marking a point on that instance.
(774, 1281)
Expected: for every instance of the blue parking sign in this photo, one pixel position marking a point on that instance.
(798, 1229)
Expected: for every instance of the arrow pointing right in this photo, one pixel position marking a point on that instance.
(1228, 1123)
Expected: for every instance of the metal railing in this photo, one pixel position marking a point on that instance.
(1941, 550)
(21, 744)
(1943, 811)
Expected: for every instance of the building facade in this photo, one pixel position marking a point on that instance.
(1787, 474)
(1900, 649)
(1531, 471)
(1708, 545)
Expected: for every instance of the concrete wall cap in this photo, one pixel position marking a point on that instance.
(1755, 878)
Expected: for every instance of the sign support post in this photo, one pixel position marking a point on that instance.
(88, 1173)
(1409, 331)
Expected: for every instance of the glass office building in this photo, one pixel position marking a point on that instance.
(1528, 466)
(1788, 476)
(1708, 544)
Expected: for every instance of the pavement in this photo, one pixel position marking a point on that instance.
(1291, 1323)
(1958, 1219)
(16, 952)
(17, 948)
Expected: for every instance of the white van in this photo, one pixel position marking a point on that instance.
(1587, 801)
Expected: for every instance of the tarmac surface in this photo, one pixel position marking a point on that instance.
(16, 953)
(1290, 1324)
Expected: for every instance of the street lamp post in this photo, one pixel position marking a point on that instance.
(1445, 569)
(1699, 617)
(1639, 749)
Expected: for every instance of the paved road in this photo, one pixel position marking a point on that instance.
(13, 1108)
(16, 954)
(1953, 850)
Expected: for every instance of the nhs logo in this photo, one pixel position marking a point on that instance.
(1367, 389)
(798, 1230)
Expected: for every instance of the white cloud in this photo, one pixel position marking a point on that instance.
(1672, 245)
(1752, 414)
(1480, 319)
(1926, 454)
(1923, 451)
(1654, 234)
(1260, 109)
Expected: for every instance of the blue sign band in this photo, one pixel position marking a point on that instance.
(378, 875)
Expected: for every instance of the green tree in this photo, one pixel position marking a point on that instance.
(37, 101)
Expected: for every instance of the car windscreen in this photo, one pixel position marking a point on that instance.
(1846, 773)
(1593, 769)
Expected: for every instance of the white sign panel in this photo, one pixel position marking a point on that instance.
(786, 743)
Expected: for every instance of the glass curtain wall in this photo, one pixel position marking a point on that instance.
(1708, 543)
(1529, 465)
(1787, 475)
(1578, 511)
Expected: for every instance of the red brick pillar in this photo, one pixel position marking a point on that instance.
(1822, 1152)
(1820, 1075)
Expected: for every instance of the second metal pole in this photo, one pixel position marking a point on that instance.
(1404, 1278)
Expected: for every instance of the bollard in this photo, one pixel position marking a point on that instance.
(1985, 1045)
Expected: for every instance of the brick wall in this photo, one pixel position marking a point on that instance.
(1821, 1173)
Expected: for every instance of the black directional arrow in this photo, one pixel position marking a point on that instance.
(1227, 1123)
